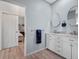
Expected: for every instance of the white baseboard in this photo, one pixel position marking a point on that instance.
(35, 51)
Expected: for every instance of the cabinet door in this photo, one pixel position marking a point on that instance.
(67, 50)
(75, 51)
(58, 46)
(51, 43)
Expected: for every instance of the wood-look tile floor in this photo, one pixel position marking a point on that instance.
(17, 53)
(44, 54)
(13, 53)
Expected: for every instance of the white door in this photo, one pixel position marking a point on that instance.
(9, 24)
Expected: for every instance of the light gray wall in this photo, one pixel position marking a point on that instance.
(38, 17)
(62, 8)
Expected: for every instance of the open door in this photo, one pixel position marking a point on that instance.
(9, 26)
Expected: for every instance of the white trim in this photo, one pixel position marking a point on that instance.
(9, 13)
(25, 42)
(36, 51)
(17, 29)
(1, 30)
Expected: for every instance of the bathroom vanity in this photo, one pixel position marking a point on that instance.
(65, 45)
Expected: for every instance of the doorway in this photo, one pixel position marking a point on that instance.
(21, 32)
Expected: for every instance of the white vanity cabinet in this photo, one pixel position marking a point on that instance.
(70, 47)
(64, 45)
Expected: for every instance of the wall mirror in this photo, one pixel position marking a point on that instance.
(73, 15)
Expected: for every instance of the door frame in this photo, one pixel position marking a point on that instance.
(0, 30)
(25, 41)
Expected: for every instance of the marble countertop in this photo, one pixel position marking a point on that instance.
(71, 37)
(66, 34)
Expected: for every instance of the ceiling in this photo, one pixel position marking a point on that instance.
(22, 2)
